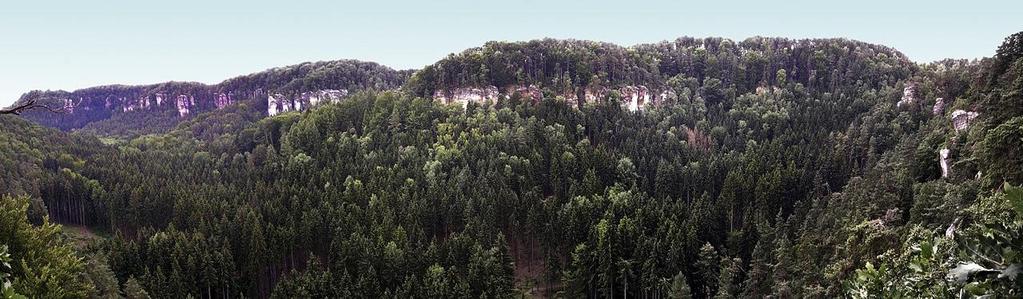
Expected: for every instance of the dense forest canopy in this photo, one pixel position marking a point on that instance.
(777, 167)
(568, 65)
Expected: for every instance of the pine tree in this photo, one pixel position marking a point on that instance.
(679, 288)
(728, 280)
(759, 280)
(783, 262)
(707, 268)
(133, 290)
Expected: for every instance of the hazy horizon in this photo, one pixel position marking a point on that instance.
(68, 46)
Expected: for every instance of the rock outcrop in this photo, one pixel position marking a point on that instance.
(133, 104)
(223, 99)
(133, 101)
(69, 105)
(464, 96)
(279, 103)
(304, 84)
(943, 161)
(939, 106)
(329, 95)
(633, 97)
(185, 104)
(908, 95)
(961, 119)
(530, 92)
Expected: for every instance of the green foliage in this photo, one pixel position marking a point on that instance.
(708, 266)
(680, 288)
(132, 289)
(1001, 153)
(977, 259)
(779, 168)
(41, 263)
(131, 111)
(5, 275)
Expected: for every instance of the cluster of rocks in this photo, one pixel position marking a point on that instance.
(890, 218)
(316, 97)
(69, 105)
(634, 97)
(909, 98)
(137, 104)
(961, 119)
(466, 95)
(529, 92)
(185, 104)
(908, 95)
(279, 103)
(761, 90)
(939, 106)
(222, 100)
(943, 161)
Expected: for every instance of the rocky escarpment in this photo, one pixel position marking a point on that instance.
(279, 103)
(583, 72)
(908, 96)
(168, 101)
(961, 119)
(632, 97)
(158, 107)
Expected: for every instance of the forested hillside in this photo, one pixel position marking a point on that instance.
(766, 167)
(135, 110)
(572, 67)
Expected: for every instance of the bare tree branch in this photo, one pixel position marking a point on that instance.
(29, 105)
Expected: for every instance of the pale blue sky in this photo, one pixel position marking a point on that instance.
(74, 44)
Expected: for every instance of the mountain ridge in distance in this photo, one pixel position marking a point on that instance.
(527, 67)
(140, 109)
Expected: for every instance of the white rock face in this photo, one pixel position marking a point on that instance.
(961, 119)
(530, 92)
(221, 100)
(634, 97)
(313, 98)
(135, 104)
(765, 90)
(950, 231)
(278, 103)
(69, 105)
(463, 96)
(939, 106)
(130, 105)
(908, 95)
(184, 103)
(943, 161)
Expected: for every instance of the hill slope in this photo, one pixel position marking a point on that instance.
(881, 177)
(135, 110)
(582, 71)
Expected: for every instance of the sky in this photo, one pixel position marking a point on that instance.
(52, 45)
